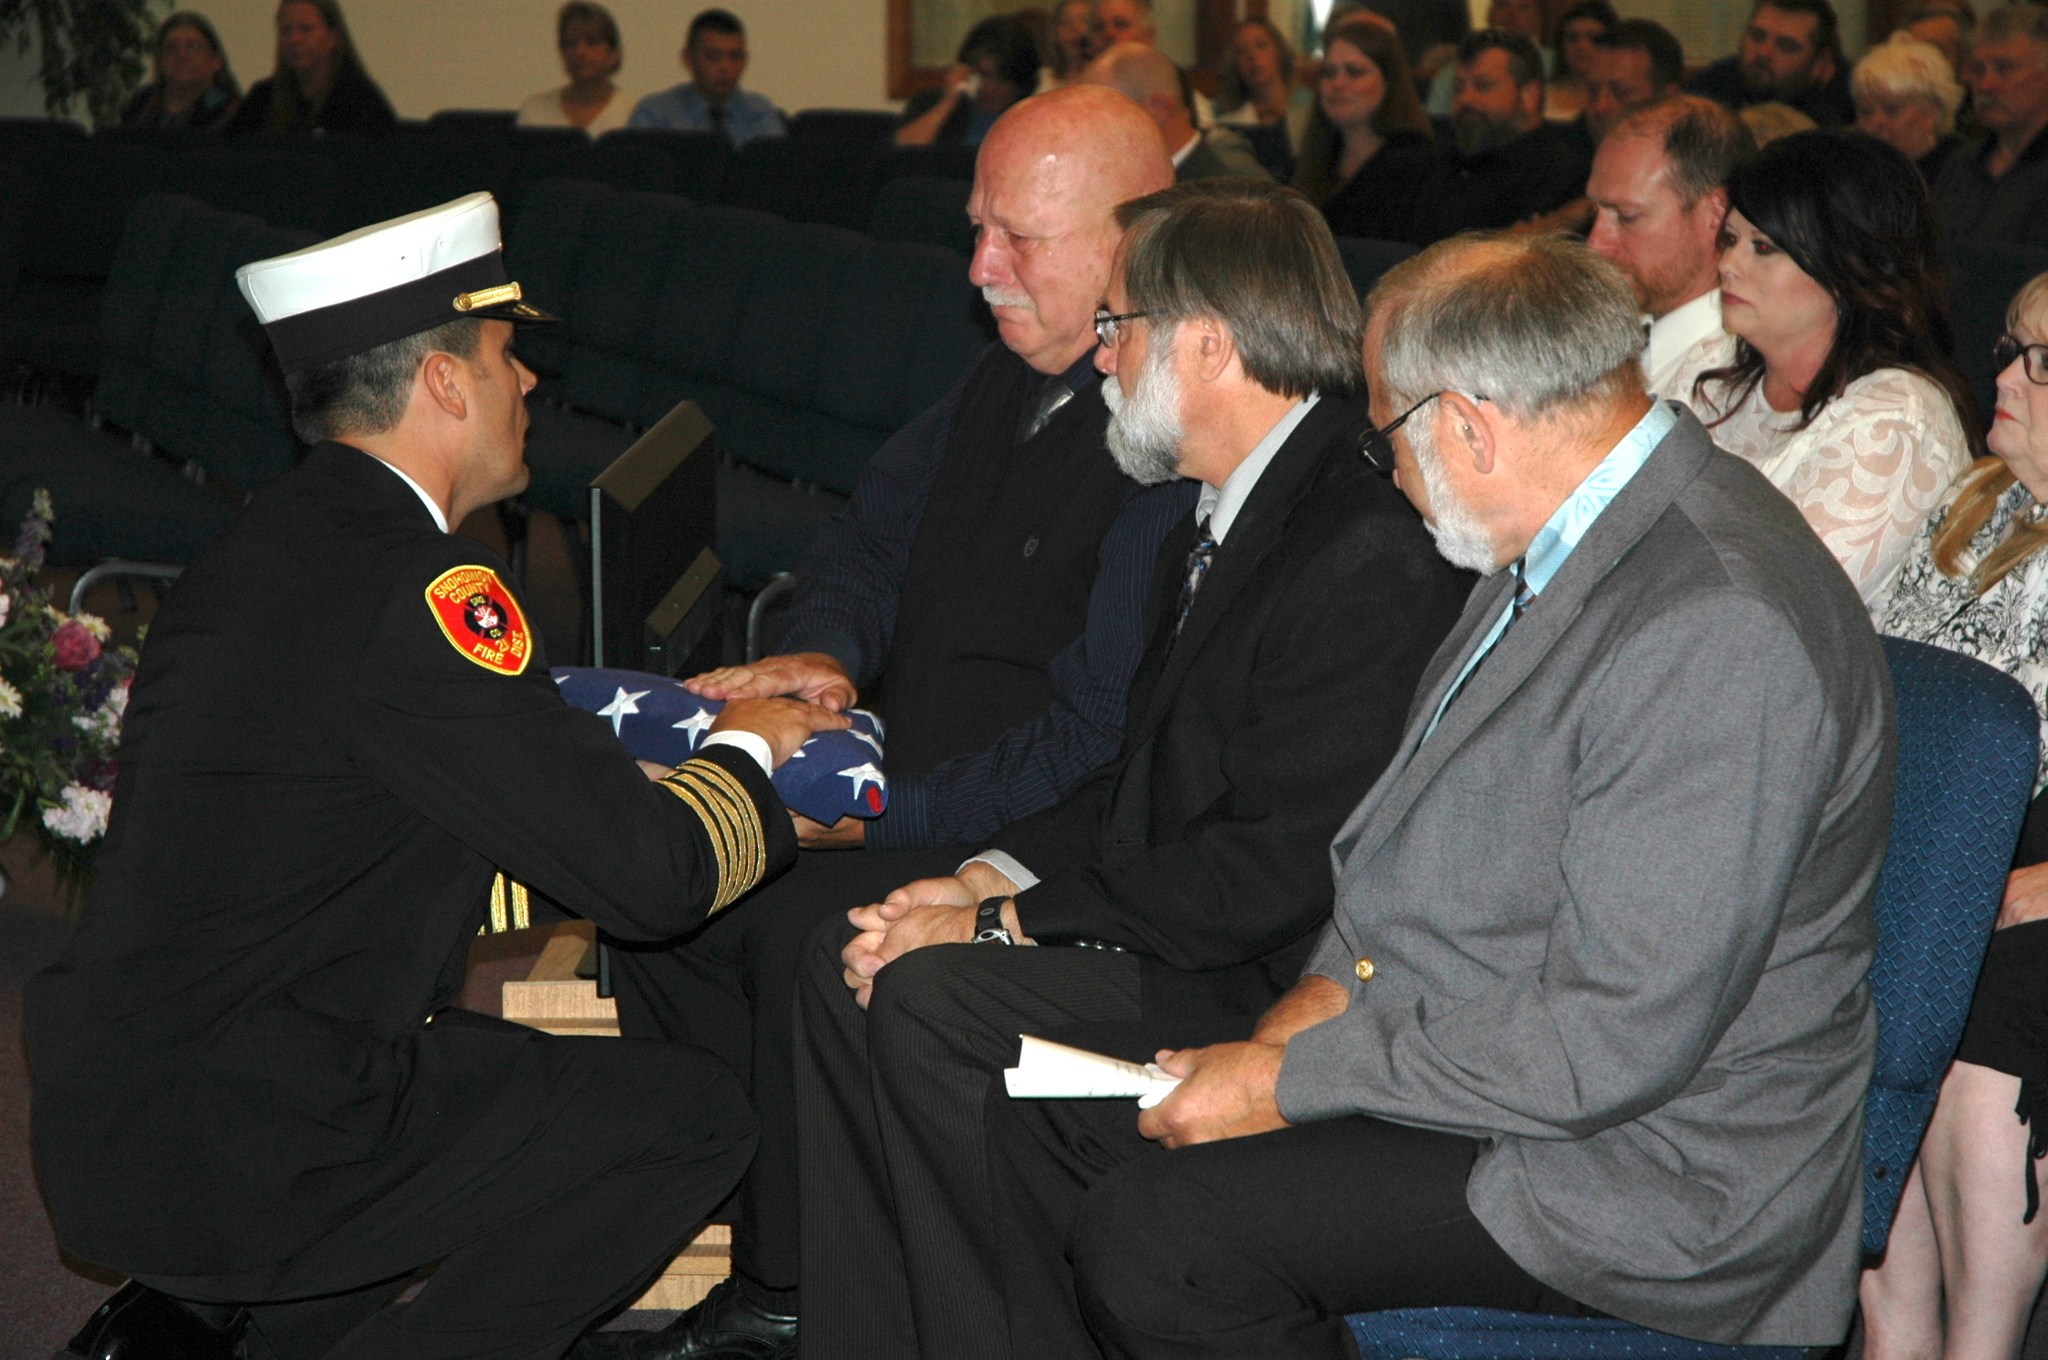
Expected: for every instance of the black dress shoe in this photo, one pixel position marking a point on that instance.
(723, 1327)
(140, 1324)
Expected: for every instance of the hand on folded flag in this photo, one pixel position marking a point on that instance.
(834, 775)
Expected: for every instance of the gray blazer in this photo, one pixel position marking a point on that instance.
(1619, 908)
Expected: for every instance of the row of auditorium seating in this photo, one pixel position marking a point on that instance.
(73, 192)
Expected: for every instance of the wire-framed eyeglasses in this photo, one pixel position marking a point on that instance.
(1376, 445)
(1107, 323)
(2005, 349)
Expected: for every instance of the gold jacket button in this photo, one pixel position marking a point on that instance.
(1363, 968)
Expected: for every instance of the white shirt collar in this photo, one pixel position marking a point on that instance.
(1679, 329)
(1219, 505)
(1187, 150)
(433, 509)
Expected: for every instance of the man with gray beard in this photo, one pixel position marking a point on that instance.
(1507, 164)
(985, 593)
(1292, 613)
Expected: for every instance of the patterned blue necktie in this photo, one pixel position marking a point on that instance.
(1524, 597)
(1199, 558)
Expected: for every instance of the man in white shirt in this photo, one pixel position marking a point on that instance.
(1658, 189)
(1150, 78)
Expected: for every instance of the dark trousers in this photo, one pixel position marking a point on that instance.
(1251, 1246)
(729, 988)
(587, 1172)
(901, 1216)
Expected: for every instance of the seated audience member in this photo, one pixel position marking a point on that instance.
(984, 592)
(1999, 192)
(254, 1086)
(1369, 147)
(193, 87)
(1262, 83)
(997, 66)
(1970, 1247)
(1946, 24)
(1659, 182)
(1291, 618)
(1524, 18)
(1517, 1024)
(1906, 94)
(1634, 62)
(1789, 55)
(1578, 35)
(1071, 45)
(1130, 21)
(1840, 390)
(1509, 164)
(711, 100)
(1149, 78)
(319, 84)
(588, 38)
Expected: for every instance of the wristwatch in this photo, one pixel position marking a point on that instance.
(988, 923)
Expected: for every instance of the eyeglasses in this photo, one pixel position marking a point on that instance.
(2005, 349)
(1106, 325)
(1376, 445)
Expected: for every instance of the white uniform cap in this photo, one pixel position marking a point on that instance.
(384, 282)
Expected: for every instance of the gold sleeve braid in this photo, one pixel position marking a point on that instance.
(510, 907)
(738, 841)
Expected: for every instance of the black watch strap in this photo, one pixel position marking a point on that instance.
(988, 923)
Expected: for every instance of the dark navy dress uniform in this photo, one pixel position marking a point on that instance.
(249, 1086)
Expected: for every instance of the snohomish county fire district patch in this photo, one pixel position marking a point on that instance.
(481, 619)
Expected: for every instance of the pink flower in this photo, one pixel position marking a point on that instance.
(72, 647)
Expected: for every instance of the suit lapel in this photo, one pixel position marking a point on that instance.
(1673, 465)
(1253, 534)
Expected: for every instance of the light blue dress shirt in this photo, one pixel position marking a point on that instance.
(681, 109)
(1567, 524)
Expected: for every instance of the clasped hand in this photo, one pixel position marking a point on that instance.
(928, 911)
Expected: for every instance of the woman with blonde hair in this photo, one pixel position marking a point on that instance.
(1907, 95)
(1368, 145)
(1969, 1248)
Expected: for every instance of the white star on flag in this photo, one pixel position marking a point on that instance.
(697, 724)
(859, 735)
(622, 703)
(864, 775)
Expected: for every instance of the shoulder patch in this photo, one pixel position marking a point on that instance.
(481, 619)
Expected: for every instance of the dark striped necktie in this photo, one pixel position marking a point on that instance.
(1199, 558)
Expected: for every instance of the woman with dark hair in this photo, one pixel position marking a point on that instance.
(319, 84)
(1579, 31)
(1260, 83)
(998, 66)
(193, 87)
(1368, 146)
(1839, 387)
(1969, 1247)
(588, 38)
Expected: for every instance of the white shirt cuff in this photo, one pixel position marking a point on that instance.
(755, 745)
(1006, 865)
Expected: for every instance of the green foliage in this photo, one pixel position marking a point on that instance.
(97, 50)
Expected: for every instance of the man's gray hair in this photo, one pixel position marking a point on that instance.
(366, 393)
(2014, 21)
(1535, 324)
(1259, 258)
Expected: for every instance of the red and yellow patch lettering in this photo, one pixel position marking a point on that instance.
(481, 619)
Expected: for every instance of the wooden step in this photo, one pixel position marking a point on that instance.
(552, 998)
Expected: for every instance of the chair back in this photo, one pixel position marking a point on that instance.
(1968, 738)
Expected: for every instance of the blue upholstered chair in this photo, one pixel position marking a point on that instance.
(1967, 738)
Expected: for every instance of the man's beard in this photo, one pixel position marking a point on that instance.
(1758, 82)
(1145, 431)
(1477, 132)
(1460, 538)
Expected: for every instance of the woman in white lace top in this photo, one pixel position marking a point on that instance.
(1970, 1246)
(1839, 388)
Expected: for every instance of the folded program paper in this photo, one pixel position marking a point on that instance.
(1050, 1071)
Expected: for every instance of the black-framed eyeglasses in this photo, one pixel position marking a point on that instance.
(1106, 325)
(1376, 445)
(2005, 349)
